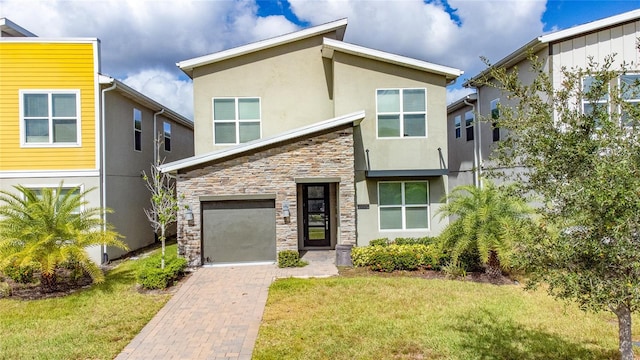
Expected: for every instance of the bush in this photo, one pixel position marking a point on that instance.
(427, 240)
(290, 258)
(20, 274)
(395, 257)
(5, 290)
(379, 242)
(151, 276)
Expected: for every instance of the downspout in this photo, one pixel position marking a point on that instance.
(156, 151)
(476, 125)
(103, 175)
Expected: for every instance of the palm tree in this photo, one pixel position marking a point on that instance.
(50, 227)
(488, 220)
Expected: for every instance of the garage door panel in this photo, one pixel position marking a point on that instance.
(239, 231)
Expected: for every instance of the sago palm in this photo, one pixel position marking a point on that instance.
(51, 227)
(486, 219)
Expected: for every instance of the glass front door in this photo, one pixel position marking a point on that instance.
(316, 215)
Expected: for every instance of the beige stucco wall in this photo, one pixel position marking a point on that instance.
(292, 81)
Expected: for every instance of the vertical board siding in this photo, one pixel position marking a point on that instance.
(46, 66)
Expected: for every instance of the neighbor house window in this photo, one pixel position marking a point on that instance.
(50, 117)
(64, 191)
(403, 205)
(236, 120)
(630, 87)
(137, 130)
(401, 113)
(167, 136)
(589, 84)
(457, 122)
(468, 120)
(495, 114)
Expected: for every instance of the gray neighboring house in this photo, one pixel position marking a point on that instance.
(569, 48)
(307, 142)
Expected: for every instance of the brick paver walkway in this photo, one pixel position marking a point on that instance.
(216, 313)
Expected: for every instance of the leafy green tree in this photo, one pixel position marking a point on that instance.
(488, 220)
(580, 145)
(50, 227)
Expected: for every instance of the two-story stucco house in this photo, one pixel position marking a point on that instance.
(469, 150)
(306, 142)
(62, 121)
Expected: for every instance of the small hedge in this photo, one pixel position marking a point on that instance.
(290, 258)
(396, 257)
(20, 274)
(151, 276)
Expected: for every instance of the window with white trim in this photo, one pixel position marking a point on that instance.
(166, 127)
(236, 120)
(74, 190)
(401, 113)
(495, 115)
(403, 205)
(50, 117)
(630, 88)
(468, 121)
(137, 130)
(590, 84)
(457, 123)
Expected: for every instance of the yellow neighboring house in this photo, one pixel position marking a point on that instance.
(61, 120)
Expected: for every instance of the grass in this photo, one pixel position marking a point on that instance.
(96, 323)
(412, 318)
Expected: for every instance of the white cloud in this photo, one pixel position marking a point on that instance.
(164, 88)
(454, 94)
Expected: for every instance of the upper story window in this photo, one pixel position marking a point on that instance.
(167, 135)
(403, 205)
(401, 113)
(50, 117)
(65, 191)
(630, 87)
(495, 115)
(236, 120)
(137, 130)
(468, 120)
(457, 122)
(591, 85)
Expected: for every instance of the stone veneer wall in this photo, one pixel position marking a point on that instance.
(273, 171)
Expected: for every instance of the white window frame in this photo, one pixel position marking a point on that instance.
(402, 113)
(166, 135)
(635, 100)
(136, 131)
(50, 143)
(468, 125)
(54, 187)
(404, 206)
(495, 105)
(606, 101)
(457, 125)
(236, 121)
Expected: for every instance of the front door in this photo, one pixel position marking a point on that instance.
(316, 219)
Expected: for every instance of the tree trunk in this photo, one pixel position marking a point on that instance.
(493, 265)
(162, 238)
(624, 331)
(48, 282)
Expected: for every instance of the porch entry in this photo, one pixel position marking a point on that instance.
(318, 212)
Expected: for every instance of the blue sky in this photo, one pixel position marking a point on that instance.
(142, 40)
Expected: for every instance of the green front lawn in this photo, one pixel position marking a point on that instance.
(96, 323)
(412, 318)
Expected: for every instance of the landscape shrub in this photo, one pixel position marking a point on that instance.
(427, 240)
(379, 242)
(20, 274)
(5, 290)
(290, 258)
(395, 257)
(151, 276)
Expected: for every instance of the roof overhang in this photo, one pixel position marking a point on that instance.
(544, 41)
(339, 26)
(423, 173)
(353, 118)
(12, 29)
(144, 100)
(330, 46)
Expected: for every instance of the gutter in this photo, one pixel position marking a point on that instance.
(103, 175)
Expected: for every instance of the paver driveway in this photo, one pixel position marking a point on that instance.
(216, 313)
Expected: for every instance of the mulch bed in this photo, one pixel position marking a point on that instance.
(479, 277)
(65, 285)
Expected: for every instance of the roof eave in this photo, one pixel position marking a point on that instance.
(353, 118)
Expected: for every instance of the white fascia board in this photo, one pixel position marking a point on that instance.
(592, 26)
(331, 45)
(188, 65)
(354, 118)
(10, 27)
(49, 40)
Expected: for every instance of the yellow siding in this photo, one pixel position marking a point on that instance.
(46, 66)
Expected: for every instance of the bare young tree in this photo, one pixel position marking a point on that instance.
(164, 204)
